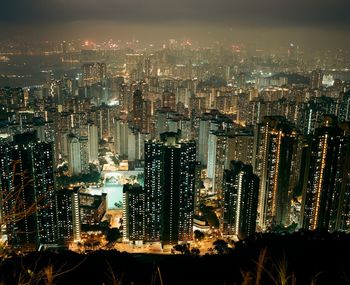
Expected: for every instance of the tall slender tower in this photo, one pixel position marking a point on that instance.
(240, 199)
(170, 167)
(204, 127)
(217, 154)
(147, 67)
(28, 191)
(121, 136)
(138, 110)
(68, 215)
(327, 192)
(93, 142)
(169, 100)
(316, 79)
(275, 160)
(153, 190)
(74, 155)
(133, 213)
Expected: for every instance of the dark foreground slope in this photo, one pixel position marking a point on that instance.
(303, 258)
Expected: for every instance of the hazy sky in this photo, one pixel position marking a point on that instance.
(312, 22)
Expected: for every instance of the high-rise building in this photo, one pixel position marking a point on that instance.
(74, 155)
(169, 100)
(344, 110)
(257, 110)
(312, 112)
(170, 167)
(204, 127)
(28, 191)
(138, 109)
(147, 67)
(342, 221)
(94, 73)
(39, 127)
(327, 192)
(68, 215)
(92, 208)
(240, 147)
(133, 213)
(135, 145)
(103, 118)
(84, 154)
(164, 121)
(217, 154)
(240, 200)
(121, 138)
(316, 79)
(241, 80)
(133, 62)
(132, 138)
(276, 149)
(153, 190)
(93, 143)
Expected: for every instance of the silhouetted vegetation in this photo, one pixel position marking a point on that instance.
(221, 246)
(92, 177)
(198, 235)
(300, 258)
(113, 234)
(209, 215)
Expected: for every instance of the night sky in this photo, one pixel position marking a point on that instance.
(310, 22)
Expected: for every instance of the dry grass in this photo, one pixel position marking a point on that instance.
(112, 279)
(278, 274)
(46, 275)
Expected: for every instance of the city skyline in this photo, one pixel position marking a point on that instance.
(174, 142)
(213, 137)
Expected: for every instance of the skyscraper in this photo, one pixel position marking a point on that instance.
(240, 146)
(240, 200)
(316, 79)
(204, 127)
(28, 191)
(169, 100)
(94, 73)
(326, 195)
(74, 156)
(153, 189)
(147, 67)
(68, 215)
(344, 108)
(138, 109)
(276, 148)
(84, 154)
(217, 153)
(133, 213)
(121, 138)
(169, 189)
(93, 143)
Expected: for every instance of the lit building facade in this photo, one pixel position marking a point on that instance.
(170, 170)
(138, 110)
(93, 143)
(121, 138)
(217, 154)
(326, 194)
(133, 213)
(68, 215)
(316, 79)
(28, 191)
(276, 149)
(74, 156)
(240, 200)
(84, 154)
